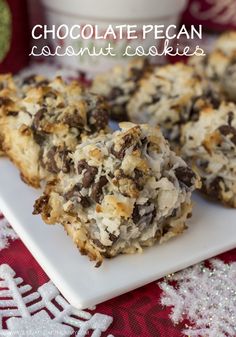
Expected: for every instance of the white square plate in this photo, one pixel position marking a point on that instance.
(212, 231)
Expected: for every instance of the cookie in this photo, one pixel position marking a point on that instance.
(119, 84)
(128, 191)
(219, 65)
(46, 124)
(8, 94)
(168, 97)
(209, 146)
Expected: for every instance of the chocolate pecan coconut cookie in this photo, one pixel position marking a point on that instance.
(128, 190)
(169, 97)
(219, 65)
(46, 124)
(119, 84)
(8, 95)
(209, 145)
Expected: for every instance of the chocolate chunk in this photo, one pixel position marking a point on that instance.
(65, 159)
(5, 101)
(12, 113)
(75, 194)
(84, 201)
(74, 120)
(39, 137)
(136, 74)
(128, 141)
(226, 130)
(29, 80)
(98, 244)
(38, 118)
(51, 164)
(40, 204)
(89, 174)
(70, 194)
(146, 218)
(115, 93)
(42, 83)
(213, 98)
(138, 178)
(50, 94)
(96, 193)
(98, 116)
(82, 164)
(230, 117)
(214, 189)
(98, 119)
(185, 175)
(113, 237)
(119, 112)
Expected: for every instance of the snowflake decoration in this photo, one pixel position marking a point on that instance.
(43, 313)
(204, 295)
(6, 233)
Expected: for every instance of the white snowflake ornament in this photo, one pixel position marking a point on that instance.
(6, 233)
(44, 313)
(37, 326)
(204, 295)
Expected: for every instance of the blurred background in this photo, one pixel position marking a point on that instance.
(18, 17)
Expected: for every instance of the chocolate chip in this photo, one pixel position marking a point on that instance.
(230, 117)
(40, 204)
(89, 174)
(50, 94)
(185, 175)
(115, 93)
(38, 118)
(12, 113)
(136, 74)
(113, 237)
(5, 101)
(29, 80)
(70, 194)
(127, 141)
(96, 193)
(42, 83)
(75, 194)
(138, 178)
(156, 98)
(98, 244)
(98, 116)
(213, 98)
(98, 119)
(214, 189)
(146, 218)
(39, 137)
(84, 201)
(74, 120)
(82, 164)
(51, 164)
(226, 130)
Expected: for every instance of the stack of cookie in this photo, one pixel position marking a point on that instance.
(113, 192)
(194, 106)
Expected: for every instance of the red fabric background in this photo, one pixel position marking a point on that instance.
(214, 15)
(138, 313)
